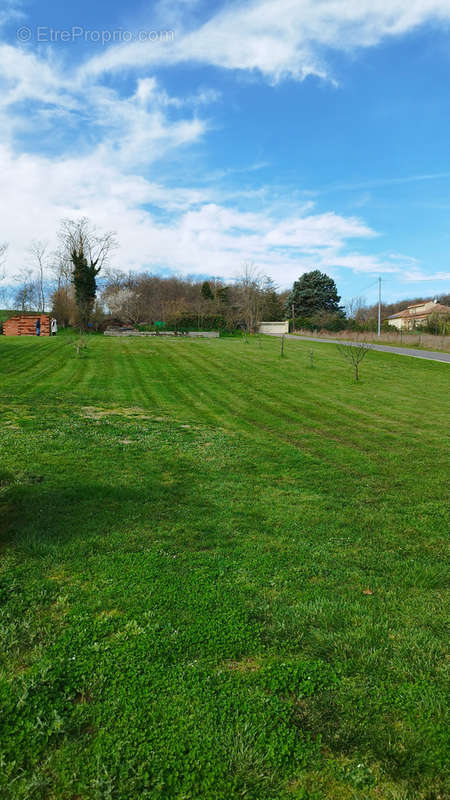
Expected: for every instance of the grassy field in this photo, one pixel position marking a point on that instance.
(222, 572)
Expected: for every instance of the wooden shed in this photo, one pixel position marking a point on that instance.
(25, 325)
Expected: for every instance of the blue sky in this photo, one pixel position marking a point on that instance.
(295, 135)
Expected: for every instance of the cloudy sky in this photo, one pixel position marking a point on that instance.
(294, 134)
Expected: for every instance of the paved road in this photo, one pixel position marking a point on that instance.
(401, 351)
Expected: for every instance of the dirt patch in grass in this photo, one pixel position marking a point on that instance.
(246, 665)
(108, 613)
(95, 412)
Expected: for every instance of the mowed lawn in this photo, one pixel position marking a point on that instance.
(223, 573)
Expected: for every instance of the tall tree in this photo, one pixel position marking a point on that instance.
(40, 262)
(250, 296)
(206, 291)
(314, 291)
(3, 291)
(26, 295)
(87, 251)
(85, 285)
(223, 295)
(63, 306)
(272, 307)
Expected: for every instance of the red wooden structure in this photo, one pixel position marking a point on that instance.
(25, 325)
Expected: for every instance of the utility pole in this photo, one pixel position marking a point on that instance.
(379, 306)
(293, 317)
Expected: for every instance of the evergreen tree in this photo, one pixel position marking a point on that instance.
(84, 281)
(206, 291)
(314, 291)
(272, 307)
(223, 295)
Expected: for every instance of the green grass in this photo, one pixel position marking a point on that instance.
(223, 572)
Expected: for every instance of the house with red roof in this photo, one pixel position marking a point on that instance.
(417, 315)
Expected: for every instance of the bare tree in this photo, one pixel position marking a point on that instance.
(3, 251)
(354, 354)
(179, 301)
(87, 251)
(125, 303)
(26, 296)
(354, 307)
(3, 291)
(63, 297)
(62, 268)
(40, 261)
(4, 297)
(80, 345)
(251, 298)
(81, 235)
(63, 306)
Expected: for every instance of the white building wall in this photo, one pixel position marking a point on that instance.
(274, 327)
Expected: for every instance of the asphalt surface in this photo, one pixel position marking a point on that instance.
(401, 351)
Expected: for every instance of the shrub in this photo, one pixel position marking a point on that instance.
(323, 320)
(194, 322)
(438, 324)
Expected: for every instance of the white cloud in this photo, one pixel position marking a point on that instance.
(286, 38)
(26, 76)
(360, 263)
(193, 232)
(385, 182)
(134, 134)
(149, 91)
(417, 275)
(117, 143)
(320, 230)
(133, 130)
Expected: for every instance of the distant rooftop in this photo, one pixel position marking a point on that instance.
(429, 307)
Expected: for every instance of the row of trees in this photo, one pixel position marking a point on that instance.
(78, 285)
(180, 302)
(66, 279)
(84, 291)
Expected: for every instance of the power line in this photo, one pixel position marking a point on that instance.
(370, 286)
